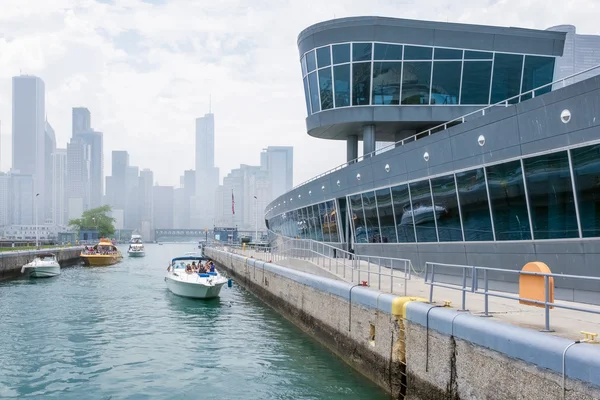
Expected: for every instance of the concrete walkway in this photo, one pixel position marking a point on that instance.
(564, 323)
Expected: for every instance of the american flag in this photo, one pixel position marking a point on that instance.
(232, 203)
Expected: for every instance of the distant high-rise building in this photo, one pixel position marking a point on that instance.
(21, 199)
(49, 148)
(78, 177)
(28, 133)
(82, 120)
(145, 204)
(95, 142)
(163, 203)
(207, 175)
(120, 165)
(4, 211)
(59, 187)
(179, 209)
(581, 52)
(132, 209)
(279, 162)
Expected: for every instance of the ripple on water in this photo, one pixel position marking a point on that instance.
(117, 333)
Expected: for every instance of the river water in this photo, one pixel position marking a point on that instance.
(117, 333)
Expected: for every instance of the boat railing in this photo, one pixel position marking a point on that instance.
(477, 280)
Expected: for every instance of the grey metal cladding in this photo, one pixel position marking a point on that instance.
(429, 33)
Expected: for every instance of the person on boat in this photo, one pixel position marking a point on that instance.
(188, 269)
(202, 268)
(194, 267)
(212, 266)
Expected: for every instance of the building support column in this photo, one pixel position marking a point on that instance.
(403, 135)
(368, 139)
(351, 148)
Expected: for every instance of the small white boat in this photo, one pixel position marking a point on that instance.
(421, 214)
(43, 266)
(182, 281)
(136, 247)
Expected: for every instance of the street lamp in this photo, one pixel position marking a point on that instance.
(37, 246)
(256, 217)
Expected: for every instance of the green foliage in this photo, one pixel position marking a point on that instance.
(95, 218)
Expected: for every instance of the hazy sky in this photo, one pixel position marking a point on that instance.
(145, 69)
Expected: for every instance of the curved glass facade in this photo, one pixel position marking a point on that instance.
(549, 196)
(372, 73)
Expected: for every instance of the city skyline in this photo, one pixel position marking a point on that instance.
(134, 83)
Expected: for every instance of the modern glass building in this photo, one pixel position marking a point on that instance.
(503, 186)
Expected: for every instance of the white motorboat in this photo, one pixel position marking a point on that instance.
(136, 247)
(43, 266)
(183, 281)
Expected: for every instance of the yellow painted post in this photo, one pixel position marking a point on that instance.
(533, 286)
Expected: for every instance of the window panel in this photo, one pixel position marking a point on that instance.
(303, 65)
(416, 78)
(386, 82)
(302, 224)
(478, 55)
(538, 71)
(371, 219)
(306, 96)
(311, 63)
(506, 82)
(323, 57)
(361, 83)
(476, 82)
(331, 218)
(417, 53)
(445, 88)
(341, 53)
(474, 206)
(444, 198)
(586, 172)
(388, 52)
(314, 92)
(326, 89)
(361, 51)
(358, 219)
(341, 74)
(317, 223)
(423, 212)
(386, 215)
(402, 210)
(509, 205)
(447, 54)
(550, 196)
(310, 219)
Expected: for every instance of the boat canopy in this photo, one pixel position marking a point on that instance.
(190, 258)
(44, 255)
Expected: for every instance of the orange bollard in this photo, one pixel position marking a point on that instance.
(533, 287)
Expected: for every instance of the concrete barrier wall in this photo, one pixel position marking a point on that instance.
(454, 355)
(12, 261)
(354, 322)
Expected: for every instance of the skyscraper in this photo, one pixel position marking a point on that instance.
(145, 203)
(82, 120)
(59, 187)
(207, 175)
(49, 148)
(21, 199)
(95, 141)
(79, 174)
(279, 162)
(28, 133)
(120, 165)
(4, 215)
(163, 203)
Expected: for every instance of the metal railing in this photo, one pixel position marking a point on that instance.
(470, 283)
(445, 125)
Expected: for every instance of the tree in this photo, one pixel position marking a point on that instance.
(95, 218)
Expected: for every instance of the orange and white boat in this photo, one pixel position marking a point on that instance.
(104, 253)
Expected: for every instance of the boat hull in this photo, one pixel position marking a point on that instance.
(43, 272)
(193, 290)
(136, 253)
(101, 260)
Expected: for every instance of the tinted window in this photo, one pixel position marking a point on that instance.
(551, 196)
(386, 215)
(317, 223)
(388, 51)
(509, 205)
(370, 209)
(306, 96)
(314, 92)
(445, 200)
(302, 224)
(416, 78)
(341, 74)
(474, 206)
(361, 51)
(538, 71)
(424, 214)
(361, 83)
(507, 77)
(341, 53)
(330, 223)
(447, 54)
(326, 89)
(476, 82)
(586, 171)
(402, 209)
(323, 57)
(311, 64)
(386, 82)
(445, 88)
(417, 53)
(303, 64)
(478, 55)
(308, 217)
(358, 219)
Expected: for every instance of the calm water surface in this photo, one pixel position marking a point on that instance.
(117, 333)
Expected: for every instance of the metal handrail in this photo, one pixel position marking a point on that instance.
(473, 287)
(460, 119)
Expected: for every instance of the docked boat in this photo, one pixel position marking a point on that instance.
(104, 253)
(136, 247)
(42, 266)
(186, 277)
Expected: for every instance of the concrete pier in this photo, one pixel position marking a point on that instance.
(421, 351)
(12, 261)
